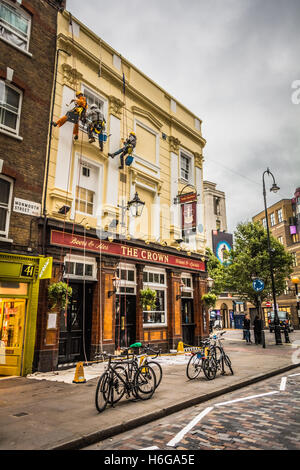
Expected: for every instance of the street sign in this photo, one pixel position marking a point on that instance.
(258, 285)
(268, 304)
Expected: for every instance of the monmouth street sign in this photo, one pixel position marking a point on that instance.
(150, 256)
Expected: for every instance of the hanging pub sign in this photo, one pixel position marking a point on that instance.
(188, 213)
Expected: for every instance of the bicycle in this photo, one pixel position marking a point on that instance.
(195, 364)
(217, 359)
(118, 380)
(154, 365)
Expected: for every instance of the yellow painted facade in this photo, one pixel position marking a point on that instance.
(165, 130)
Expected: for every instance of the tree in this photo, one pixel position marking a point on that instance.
(250, 258)
(217, 271)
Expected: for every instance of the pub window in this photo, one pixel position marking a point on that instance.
(15, 25)
(156, 279)
(127, 283)
(187, 290)
(6, 186)
(79, 268)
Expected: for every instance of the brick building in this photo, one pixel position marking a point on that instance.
(27, 59)
(284, 224)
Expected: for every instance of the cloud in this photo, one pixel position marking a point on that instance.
(232, 63)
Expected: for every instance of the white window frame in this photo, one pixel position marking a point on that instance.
(272, 219)
(4, 233)
(279, 216)
(10, 130)
(24, 14)
(157, 286)
(82, 160)
(124, 282)
(149, 168)
(186, 288)
(264, 222)
(191, 175)
(85, 88)
(85, 261)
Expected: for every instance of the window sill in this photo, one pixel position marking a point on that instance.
(6, 240)
(16, 47)
(14, 136)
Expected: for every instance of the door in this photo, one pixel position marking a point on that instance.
(12, 323)
(187, 321)
(75, 326)
(125, 332)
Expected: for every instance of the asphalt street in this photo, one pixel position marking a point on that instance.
(264, 416)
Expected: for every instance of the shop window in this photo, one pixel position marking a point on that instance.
(6, 187)
(10, 108)
(156, 279)
(15, 25)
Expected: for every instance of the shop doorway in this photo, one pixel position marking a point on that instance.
(12, 324)
(76, 325)
(125, 331)
(187, 321)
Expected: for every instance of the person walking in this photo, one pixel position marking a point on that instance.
(247, 329)
(257, 329)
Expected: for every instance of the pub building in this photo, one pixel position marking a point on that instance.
(105, 311)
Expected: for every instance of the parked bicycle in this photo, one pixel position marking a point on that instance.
(122, 377)
(195, 364)
(144, 361)
(216, 359)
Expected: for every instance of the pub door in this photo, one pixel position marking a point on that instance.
(187, 321)
(125, 331)
(75, 327)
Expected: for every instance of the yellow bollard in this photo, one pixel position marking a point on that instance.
(180, 347)
(79, 374)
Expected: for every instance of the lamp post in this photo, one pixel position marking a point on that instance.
(274, 189)
(295, 280)
(135, 206)
(210, 283)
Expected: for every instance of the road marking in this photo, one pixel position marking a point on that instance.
(293, 375)
(283, 384)
(150, 448)
(179, 436)
(245, 398)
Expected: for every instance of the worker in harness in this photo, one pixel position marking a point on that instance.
(129, 145)
(96, 125)
(78, 112)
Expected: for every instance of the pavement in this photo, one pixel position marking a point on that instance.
(47, 412)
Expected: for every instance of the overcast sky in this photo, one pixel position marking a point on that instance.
(234, 64)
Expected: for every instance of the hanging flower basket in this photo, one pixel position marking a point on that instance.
(58, 292)
(209, 300)
(148, 299)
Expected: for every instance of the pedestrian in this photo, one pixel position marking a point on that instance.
(257, 329)
(247, 329)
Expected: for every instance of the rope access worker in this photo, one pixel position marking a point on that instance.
(96, 125)
(78, 112)
(128, 148)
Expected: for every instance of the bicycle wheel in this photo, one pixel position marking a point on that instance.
(209, 368)
(102, 392)
(145, 382)
(227, 361)
(157, 370)
(117, 386)
(194, 367)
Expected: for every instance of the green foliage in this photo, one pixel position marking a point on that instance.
(250, 258)
(148, 299)
(209, 299)
(58, 293)
(217, 271)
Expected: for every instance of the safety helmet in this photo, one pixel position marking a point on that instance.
(93, 106)
(78, 93)
(132, 133)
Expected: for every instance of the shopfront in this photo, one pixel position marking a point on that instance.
(19, 287)
(113, 316)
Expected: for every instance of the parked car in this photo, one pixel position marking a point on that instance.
(284, 320)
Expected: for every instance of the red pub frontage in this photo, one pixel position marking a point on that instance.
(103, 315)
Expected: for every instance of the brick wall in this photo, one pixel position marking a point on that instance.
(24, 160)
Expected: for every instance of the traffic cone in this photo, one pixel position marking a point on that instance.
(180, 347)
(79, 374)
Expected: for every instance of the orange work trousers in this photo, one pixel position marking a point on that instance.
(61, 121)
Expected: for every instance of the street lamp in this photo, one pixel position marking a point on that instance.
(274, 189)
(135, 206)
(295, 280)
(116, 282)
